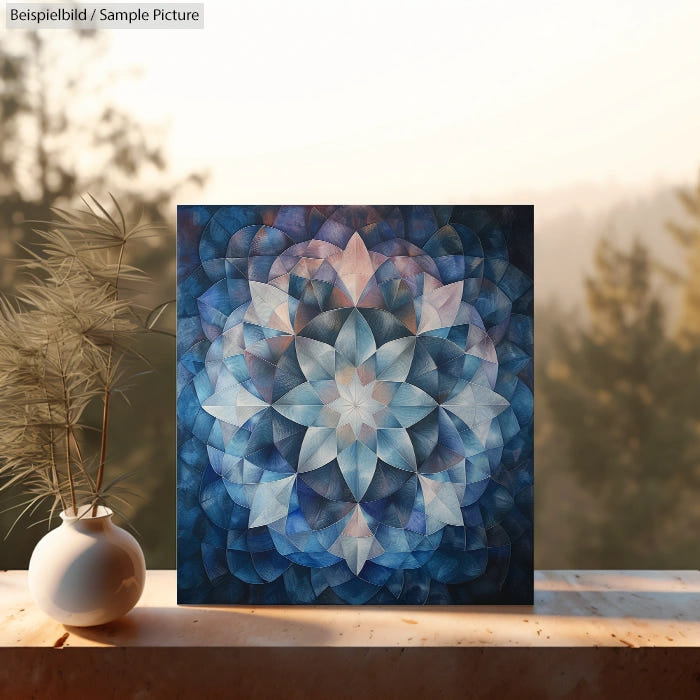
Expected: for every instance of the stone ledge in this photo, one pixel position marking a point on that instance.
(589, 634)
(572, 608)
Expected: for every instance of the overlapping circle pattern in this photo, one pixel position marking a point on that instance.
(354, 404)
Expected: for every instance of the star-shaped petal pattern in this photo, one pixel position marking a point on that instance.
(349, 429)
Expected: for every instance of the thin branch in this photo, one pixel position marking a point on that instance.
(107, 394)
(54, 469)
(66, 399)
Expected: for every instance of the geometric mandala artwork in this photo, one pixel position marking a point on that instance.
(355, 406)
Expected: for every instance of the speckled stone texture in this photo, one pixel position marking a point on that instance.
(588, 634)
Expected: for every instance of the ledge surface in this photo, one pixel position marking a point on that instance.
(572, 609)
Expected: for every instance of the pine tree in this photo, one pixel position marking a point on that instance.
(622, 396)
(688, 236)
(53, 151)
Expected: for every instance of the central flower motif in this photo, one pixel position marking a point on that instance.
(360, 412)
(353, 393)
(356, 405)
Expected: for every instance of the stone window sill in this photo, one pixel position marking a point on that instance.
(588, 632)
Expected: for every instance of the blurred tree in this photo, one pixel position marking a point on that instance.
(558, 490)
(623, 397)
(688, 236)
(62, 135)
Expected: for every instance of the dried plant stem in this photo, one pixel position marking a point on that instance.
(103, 444)
(54, 470)
(108, 393)
(52, 438)
(79, 454)
(70, 473)
(66, 403)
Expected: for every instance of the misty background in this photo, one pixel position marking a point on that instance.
(590, 116)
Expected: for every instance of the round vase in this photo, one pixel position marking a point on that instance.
(87, 571)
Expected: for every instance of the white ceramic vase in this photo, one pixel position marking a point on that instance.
(87, 571)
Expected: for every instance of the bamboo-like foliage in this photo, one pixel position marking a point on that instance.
(66, 341)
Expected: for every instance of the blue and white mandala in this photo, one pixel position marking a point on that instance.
(354, 404)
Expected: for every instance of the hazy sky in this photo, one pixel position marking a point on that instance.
(371, 101)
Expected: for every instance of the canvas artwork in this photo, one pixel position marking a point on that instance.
(355, 405)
